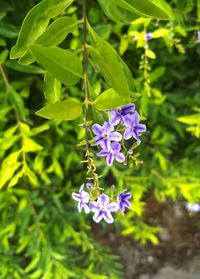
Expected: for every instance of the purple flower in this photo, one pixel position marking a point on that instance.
(104, 134)
(130, 151)
(133, 127)
(148, 36)
(102, 208)
(122, 200)
(89, 185)
(198, 36)
(82, 198)
(193, 207)
(113, 152)
(117, 114)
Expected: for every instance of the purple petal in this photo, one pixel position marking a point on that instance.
(107, 127)
(105, 144)
(89, 185)
(98, 216)
(80, 206)
(126, 203)
(148, 36)
(125, 195)
(85, 196)
(86, 208)
(97, 129)
(76, 197)
(128, 134)
(99, 139)
(115, 136)
(119, 157)
(123, 205)
(94, 207)
(128, 120)
(115, 146)
(114, 118)
(103, 200)
(108, 217)
(102, 153)
(140, 128)
(110, 159)
(136, 136)
(113, 206)
(130, 108)
(136, 118)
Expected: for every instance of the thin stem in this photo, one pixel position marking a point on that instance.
(90, 162)
(4, 77)
(85, 76)
(7, 86)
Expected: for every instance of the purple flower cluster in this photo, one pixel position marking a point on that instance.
(193, 207)
(103, 206)
(148, 36)
(125, 120)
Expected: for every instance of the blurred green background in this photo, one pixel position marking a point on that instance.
(41, 233)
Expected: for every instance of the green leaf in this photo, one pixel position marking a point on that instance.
(109, 62)
(153, 8)
(52, 89)
(57, 31)
(128, 74)
(33, 263)
(8, 31)
(53, 36)
(38, 130)
(8, 167)
(198, 10)
(149, 53)
(3, 56)
(109, 99)
(29, 145)
(6, 143)
(8, 138)
(65, 110)
(36, 22)
(14, 180)
(14, 65)
(157, 73)
(160, 33)
(31, 176)
(62, 64)
(18, 103)
(115, 12)
(4, 111)
(190, 119)
(144, 8)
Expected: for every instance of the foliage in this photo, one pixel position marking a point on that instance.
(42, 234)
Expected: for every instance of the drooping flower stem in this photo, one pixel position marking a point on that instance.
(90, 162)
(85, 75)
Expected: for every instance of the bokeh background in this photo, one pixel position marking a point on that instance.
(41, 233)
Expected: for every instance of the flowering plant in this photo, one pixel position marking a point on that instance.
(103, 206)
(122, 125)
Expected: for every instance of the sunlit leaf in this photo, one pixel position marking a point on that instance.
(107, 59)
(35, 23)
(190, 119)
(153, 8)
(8, 167)
(62, 64)
(109, 99)
(52, 89)
(29, 145)
(65, 110)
